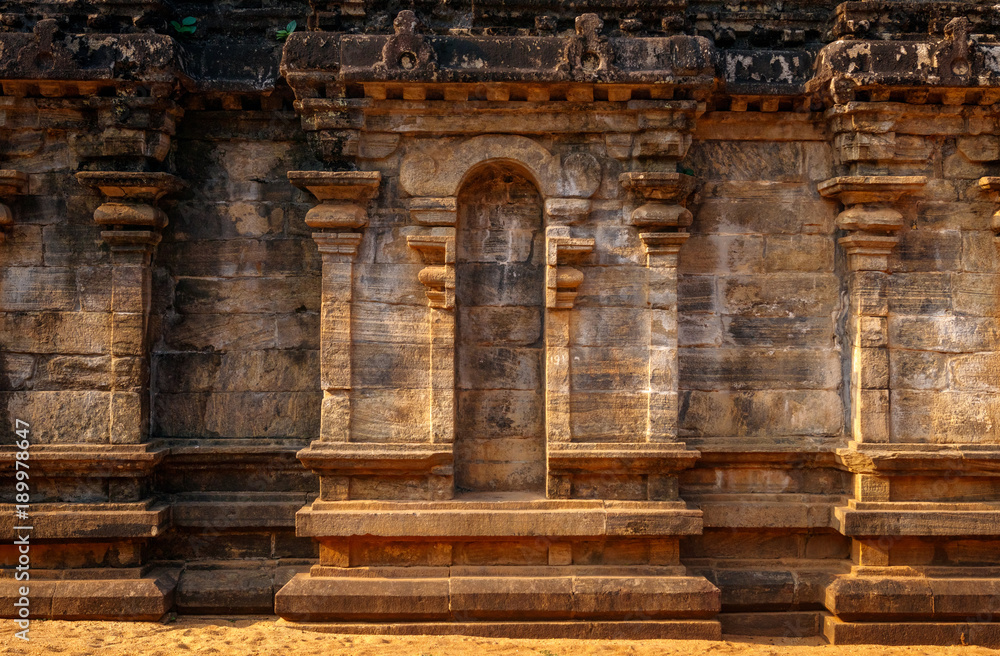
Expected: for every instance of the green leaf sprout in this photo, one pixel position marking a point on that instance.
(283, 34)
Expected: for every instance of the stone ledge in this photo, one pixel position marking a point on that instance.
(247, 588)
(921, 459)
(118, 460)
(799, 624)
(366, 458)
(636, 458)
(497, 571)
(82, 521)
(935, 519)
(147, 598)
(629, 630)
(307, 598)
(484, 518)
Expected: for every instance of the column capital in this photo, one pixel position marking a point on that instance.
(870, 189)
(343, 197)
(870, 217)
(666, 195)
(130, 198)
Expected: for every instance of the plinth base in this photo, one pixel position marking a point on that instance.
(492, 596)
(144, 598)
(983, 634)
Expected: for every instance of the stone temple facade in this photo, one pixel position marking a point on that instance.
(510, 317)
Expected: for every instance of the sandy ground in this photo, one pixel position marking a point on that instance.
(260, 636)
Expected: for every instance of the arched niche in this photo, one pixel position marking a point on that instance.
(499, 337)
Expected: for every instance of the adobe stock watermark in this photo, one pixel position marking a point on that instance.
(22, 531)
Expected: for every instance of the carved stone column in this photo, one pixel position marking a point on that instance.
(872, 224)
(12, 183)
(134, 223)
(665, 195)
(342, 211)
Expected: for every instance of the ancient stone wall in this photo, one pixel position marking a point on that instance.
(637, 319)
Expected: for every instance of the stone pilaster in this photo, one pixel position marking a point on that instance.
(133, 223)
(665, 196)
(872, 223)
(342, 211)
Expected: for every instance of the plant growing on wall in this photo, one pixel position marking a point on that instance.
(283, 34)
(185, 26)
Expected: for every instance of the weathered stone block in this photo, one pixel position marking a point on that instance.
(780, 295)
(944, 333)
(761, 413)
(747, 160)
(696, 294)
(603, 368)
(614, 327)
(920, 293)
(976, 294)
(926, 250)
(249, 295)
(385, 415)
(26, 289)
(401, 366)
(484, 367)
(608, 416)
(782, 332)
(699, 330)
(500, 325)
(64, 417)
(943, 417)
(722, 253)
(918, 369)
(237, 414)
(712, 369)
(779, 209)
(238, 371)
